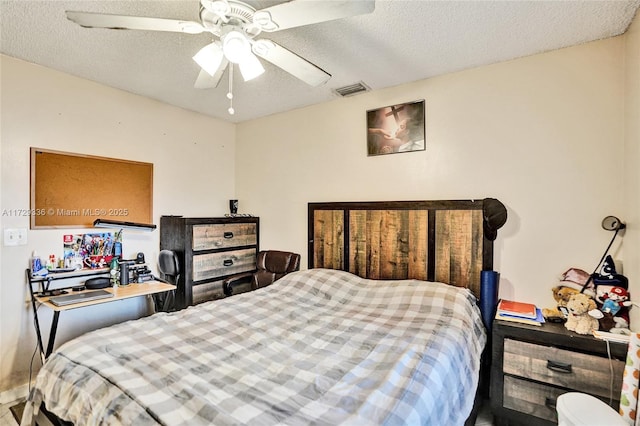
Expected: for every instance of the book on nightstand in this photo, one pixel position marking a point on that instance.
(519, 309)
(538, 320)
(520, 312)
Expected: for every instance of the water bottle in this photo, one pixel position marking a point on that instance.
(35, 263)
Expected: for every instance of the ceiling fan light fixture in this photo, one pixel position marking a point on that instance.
(251, 68)
(209, 58)
(236, 47)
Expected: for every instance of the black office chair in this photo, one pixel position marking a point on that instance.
(169, 268)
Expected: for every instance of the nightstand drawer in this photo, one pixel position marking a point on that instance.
(533, 399)
(217, 236)
(572, 370)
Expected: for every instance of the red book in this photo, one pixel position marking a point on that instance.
(518, 309)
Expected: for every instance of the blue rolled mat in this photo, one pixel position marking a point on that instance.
(489, 285)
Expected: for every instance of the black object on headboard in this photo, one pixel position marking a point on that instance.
(450, 241)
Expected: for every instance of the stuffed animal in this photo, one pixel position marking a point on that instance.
(579, 319)
(612, 291)
(571, 282)
(561, 295)
(608, 275)
(615, 302)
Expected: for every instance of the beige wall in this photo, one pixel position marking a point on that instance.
(544, 134)
(632, 164)
(193, 159)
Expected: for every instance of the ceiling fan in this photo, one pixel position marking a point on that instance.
(235, 26)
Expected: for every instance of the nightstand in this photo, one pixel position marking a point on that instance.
(533, 365)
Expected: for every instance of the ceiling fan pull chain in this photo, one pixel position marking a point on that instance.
(230, 93)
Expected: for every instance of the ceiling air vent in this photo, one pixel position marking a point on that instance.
(352, 89)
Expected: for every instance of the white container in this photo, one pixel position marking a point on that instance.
(579, 409)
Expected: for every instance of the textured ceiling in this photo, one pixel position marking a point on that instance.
(400, 42)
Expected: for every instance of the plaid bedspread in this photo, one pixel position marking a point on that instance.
(316, 347)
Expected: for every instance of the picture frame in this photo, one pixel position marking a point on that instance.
(396, 128)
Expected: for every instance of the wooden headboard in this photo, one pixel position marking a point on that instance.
(450, 241)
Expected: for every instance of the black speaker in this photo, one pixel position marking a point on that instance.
(124, 274)
(96, 283)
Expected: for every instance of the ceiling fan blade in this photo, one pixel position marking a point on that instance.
(208, 81)
(123, 22)
(297, 13)
(290, 62)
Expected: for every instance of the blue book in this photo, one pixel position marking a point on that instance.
(539, 320)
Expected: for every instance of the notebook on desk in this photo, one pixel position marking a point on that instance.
(80, 297)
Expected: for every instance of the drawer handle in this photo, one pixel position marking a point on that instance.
(227, 262)
(559, 367)
(550, 403)
(228, 235)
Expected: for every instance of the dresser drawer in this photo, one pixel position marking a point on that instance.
(227, 235)
(213, 265)
(572, 370)
(207, 291)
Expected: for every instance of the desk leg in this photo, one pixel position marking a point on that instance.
(52, 333)
(37, 324)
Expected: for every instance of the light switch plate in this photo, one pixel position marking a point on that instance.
(15, 237)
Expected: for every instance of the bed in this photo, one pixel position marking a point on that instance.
(319, 346)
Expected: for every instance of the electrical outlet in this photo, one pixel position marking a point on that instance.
(15, 237)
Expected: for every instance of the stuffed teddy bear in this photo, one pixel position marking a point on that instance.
(571, 282)
(561, 295)
(579, 319)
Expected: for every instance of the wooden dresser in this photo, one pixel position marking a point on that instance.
(532, 366)
(209, 250)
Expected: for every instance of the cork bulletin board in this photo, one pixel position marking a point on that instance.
(72, 190)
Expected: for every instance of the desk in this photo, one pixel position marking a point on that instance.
(119, 293)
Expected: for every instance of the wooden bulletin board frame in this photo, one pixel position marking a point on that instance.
(72, 190)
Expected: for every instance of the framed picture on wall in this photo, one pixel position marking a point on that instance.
(396, 128)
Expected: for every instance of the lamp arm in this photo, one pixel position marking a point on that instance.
(584, 287)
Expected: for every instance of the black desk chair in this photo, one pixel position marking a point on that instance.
(169, 268)
(272, 265)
